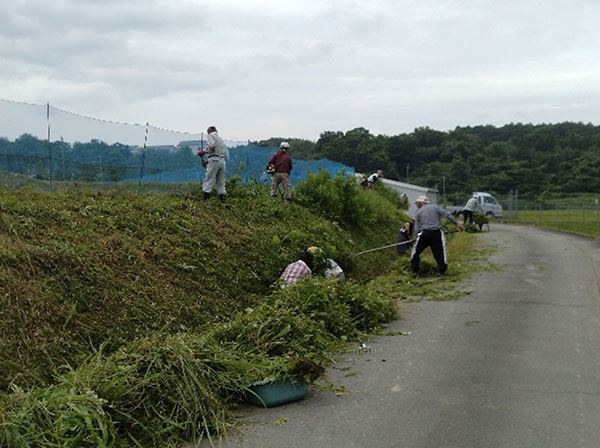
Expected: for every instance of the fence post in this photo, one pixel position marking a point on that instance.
(49, 147)
(598, 214)
(143, 159)
(570, 219)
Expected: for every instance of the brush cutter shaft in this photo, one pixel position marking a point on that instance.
(380, 248)
(393, 245)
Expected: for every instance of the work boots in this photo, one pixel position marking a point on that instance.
(222, 197)
(206, 196)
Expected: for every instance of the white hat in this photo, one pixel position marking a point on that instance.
(284, 145)
(423, 199)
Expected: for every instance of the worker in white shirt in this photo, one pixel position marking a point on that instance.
(470, 207)
(215, 165)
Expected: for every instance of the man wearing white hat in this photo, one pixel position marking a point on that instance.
(215, 166)
(428, 227)
(280, 166)
(470, 207)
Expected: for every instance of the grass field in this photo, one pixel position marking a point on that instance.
(581, 221)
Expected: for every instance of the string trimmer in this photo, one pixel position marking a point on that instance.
(392, 245)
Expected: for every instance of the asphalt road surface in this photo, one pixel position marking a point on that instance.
(515, 363)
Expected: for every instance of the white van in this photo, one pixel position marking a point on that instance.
(488, 204)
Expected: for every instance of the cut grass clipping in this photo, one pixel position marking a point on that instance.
(166, 388)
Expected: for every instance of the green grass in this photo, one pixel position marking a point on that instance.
(79, 269)
(141, 320)
(583, 221)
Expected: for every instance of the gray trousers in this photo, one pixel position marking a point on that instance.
(215, 174)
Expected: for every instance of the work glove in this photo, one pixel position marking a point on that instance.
(204, 163)
(201, 153)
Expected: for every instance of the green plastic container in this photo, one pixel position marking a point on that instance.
(275, 393)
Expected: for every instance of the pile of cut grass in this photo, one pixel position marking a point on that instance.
(166, 388)
(163, 389)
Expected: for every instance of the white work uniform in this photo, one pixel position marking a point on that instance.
(215, 170)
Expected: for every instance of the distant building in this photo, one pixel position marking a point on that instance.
(196, 145)
(163, 147)
(411, 191)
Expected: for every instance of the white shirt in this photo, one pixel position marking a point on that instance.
(372, 178)
(215, 145)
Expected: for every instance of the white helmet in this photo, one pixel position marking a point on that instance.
(284, 145)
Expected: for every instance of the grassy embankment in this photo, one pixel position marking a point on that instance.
(139, 320)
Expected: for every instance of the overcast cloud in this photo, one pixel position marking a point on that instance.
(264, 68)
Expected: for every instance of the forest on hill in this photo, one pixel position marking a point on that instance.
(538, 160)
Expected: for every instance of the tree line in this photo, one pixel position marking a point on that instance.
(537, 160)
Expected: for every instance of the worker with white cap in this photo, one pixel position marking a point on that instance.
(470, 207)
(280, 166)
(428, 227)
(216, 150)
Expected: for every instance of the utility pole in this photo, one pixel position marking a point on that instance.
(444, 188)
(407, 166)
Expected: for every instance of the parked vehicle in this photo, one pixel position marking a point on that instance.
(488, 205)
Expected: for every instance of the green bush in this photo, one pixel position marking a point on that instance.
(368, 309)
(317, 299)
(340, 199)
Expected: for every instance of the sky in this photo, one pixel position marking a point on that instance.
(276, 68)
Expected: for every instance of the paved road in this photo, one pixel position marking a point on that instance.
(516, 363)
